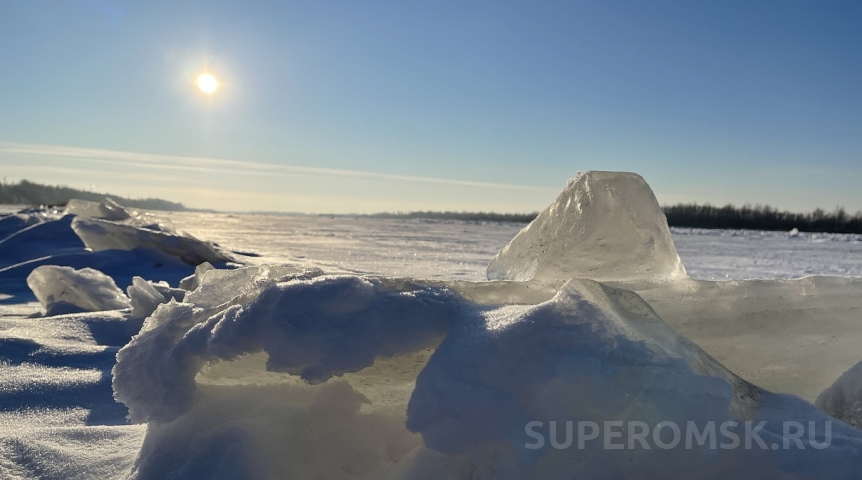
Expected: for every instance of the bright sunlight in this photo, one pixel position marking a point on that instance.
(207, 83)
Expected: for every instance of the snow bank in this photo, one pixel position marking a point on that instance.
(605, 226)
(843, 399)
(304, 375)
(66, 290)
(101, 235)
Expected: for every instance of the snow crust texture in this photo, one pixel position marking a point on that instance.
(605, 226)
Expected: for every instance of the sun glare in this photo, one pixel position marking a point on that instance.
(207, 83)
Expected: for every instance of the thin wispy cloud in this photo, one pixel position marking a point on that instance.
(241, 185)
(215, 165)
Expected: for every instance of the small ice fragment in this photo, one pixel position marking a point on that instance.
(192, 281)
(147, 296)
(66, 290)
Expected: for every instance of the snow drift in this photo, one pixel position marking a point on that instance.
(606, 226)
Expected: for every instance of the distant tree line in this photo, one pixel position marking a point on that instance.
(463, 216)
(758, 217)
(762, 217)
(29, 193)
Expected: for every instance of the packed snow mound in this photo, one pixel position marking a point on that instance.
(305, 375)
(605, 226)
(297, 319)
(101, 235)
(66, 290)
(843, 399)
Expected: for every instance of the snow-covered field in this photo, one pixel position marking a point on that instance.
(193, 370)
(462, 250)
(741, 254)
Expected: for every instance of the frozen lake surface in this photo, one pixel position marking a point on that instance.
(462, 250)
(57, 417)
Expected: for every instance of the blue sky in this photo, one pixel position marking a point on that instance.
(370, 106)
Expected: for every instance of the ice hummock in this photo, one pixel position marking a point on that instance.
(109, 209)
(133, 244)
(605, 226)
(793, 336)
(99, 235)
(66, 290)
(113, 211)
(297, 375)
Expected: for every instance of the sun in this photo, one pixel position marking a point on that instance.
(207, 83)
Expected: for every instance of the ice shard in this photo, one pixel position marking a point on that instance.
(605, 226)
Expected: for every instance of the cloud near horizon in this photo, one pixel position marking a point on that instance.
(233, 185)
